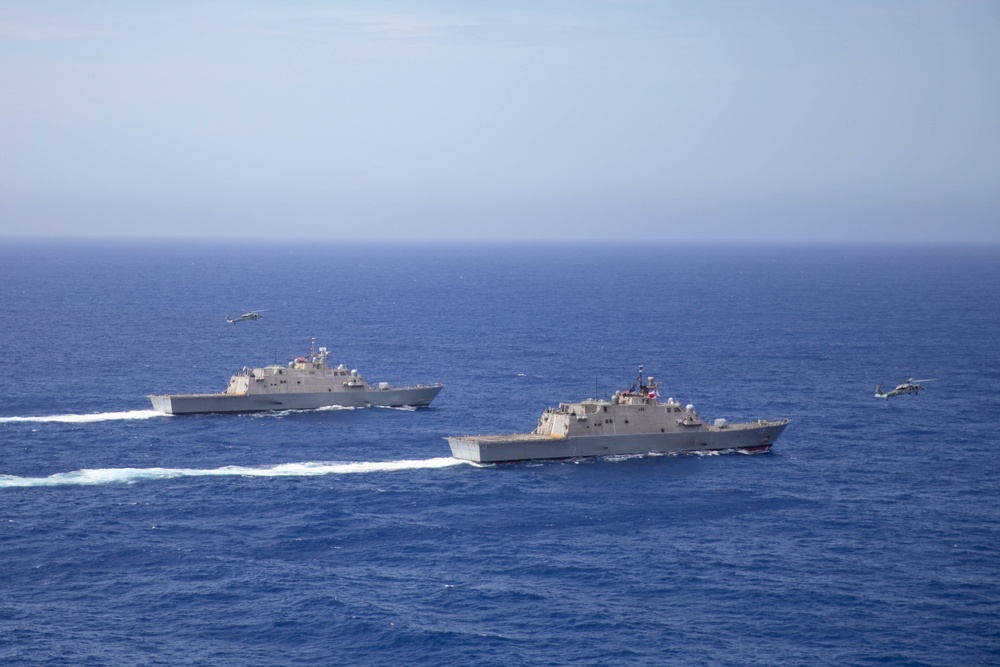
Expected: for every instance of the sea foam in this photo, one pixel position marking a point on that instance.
(87, 418)
(308, 469)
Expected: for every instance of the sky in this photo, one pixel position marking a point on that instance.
(874, 120)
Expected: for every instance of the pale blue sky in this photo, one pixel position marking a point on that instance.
(872, 121)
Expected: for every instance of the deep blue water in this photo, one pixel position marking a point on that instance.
(870, 535)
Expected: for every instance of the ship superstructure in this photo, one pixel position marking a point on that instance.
(304, 383)
(634, 421)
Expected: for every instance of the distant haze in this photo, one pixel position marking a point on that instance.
(856, 120)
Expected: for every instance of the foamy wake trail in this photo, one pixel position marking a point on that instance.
(129, 475)
(85, 419)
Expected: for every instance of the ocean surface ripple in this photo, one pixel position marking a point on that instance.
(866, 537)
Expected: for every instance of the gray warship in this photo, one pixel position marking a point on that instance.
(634, 421)
(306, 383)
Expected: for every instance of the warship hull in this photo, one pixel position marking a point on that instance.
(753, 436)
(186, 404)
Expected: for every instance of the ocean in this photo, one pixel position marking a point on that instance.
(869, 534)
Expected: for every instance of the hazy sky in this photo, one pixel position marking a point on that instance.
(632, 119)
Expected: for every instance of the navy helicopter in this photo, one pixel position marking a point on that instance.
(249, 315)
(911, 386)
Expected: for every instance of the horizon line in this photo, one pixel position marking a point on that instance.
(481, 241)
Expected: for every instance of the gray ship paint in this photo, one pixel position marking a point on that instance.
(306, 383)
(632, 422)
